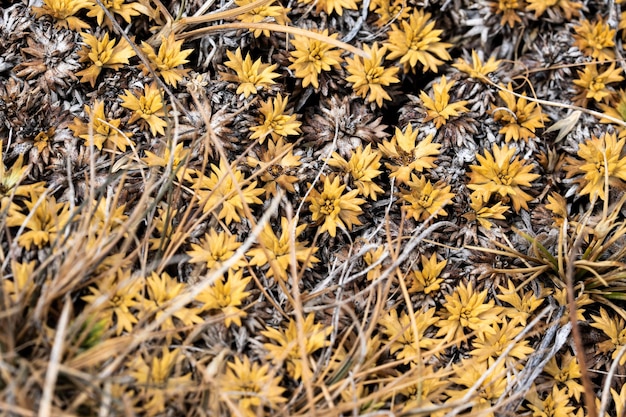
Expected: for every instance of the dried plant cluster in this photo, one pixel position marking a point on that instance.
(316, 207)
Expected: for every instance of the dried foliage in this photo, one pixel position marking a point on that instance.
(331, 207)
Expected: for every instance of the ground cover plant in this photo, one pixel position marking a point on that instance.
(312, 207)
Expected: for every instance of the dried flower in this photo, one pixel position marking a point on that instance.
(439, 109)
(63, 12)
(102, 53)
(425, 199)
(417, 41)
(498, 174)
(285, 346)
(312, 56)
(276, 121)
(332, 208)
(596, 40)
(148, 108)
(100, 131)
(369, 75)
(520, 116)
(407, 156)
(251, 76)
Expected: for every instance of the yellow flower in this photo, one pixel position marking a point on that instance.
(390, 10)
(427, 280)
(285, 344)
(276, 121)
(20, 286)
(601, 161)
(121, 294)
(161, 289)
(63, 11)
(277, 252)
(489, 346)
(439, 109)
(10, 182)
(521, 117)
(400, 333)
(408, 156)
(555, 404)
(102, 53)
(522, 307)
(100, 130)
(425, 199)
(498, 174)
(615, 109)
(312, 56)
(330, 6)
(567, 373)
(362, 168)
(417, 41)
(277, 165)
(226, 296)
(43, 223)
(596, 40)
(464, 310)
(225, 192)
(466, 374)
(250, 387)
(168, 60)
(251, 76)
(116, 7)
(332, 208)
(214, 249)
(569, 8)
(148, 108)
(509, 9)
(158, 380)
(369, 75)
(558, 206)
(593, 85)
(476, 69)
(268, 13)
(178, 159)
(482, 213)
(615, 328)
(372, 260)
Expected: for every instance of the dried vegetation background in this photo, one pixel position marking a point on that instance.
(331, 207)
